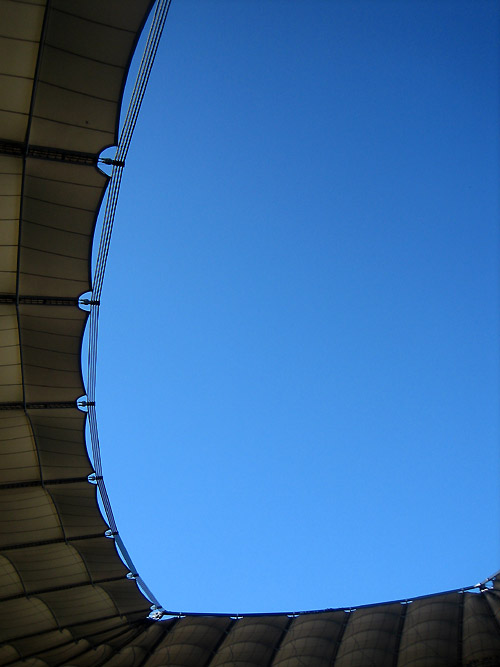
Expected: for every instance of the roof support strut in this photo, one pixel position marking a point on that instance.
(18, 149)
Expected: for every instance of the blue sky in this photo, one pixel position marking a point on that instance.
(298, 376)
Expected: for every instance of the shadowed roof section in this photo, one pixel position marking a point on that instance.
(65, 598)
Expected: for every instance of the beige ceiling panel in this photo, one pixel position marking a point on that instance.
(128, 657)
(50, 284)
(22, 20)
(8, 655)
(314, 637)
(66, 184)
(24, 616)
(38, 280)
(60, 434)
(239, 659)
(8, 262)
(53, 348)
(27, 515)
(54, 275)
(10, 188)
(119, 637)
(251, 642)
(306, 658)
(10, 164)
(14, 427)
(46, 384)
(431, 632)
(22, 25)
(187, 655)
(13, 422)
(127, 16)
(23, 64)
(18, 458)
(370, 636)
(100, 626)
(58, 263)
(10, 581)
(93, 656)
(152, 634)
(10, 184)
(8, 247)
(13, 125)
(9, 354)
(9, 250)
(35, 645)
(78, 605)
(51, 374)
(81, 74)
(62, 263)
(77, 507)
(41, 337)
(21, 466)
(15, 94)
(125, 594)
(10, 375)
(67, 362)
(126, 651)
(10, 392)
(67, 654)
(40, 643)
(56, 134)
(59, 216)
(190, 642)
(49, 566)
(493, 599)
(67, 114)
(101, 558)
(100, 43)
(75, 109)
(178, 654)
(8, 324)
(53, 320)
(481, 633)
(53, 215)
(64, 243)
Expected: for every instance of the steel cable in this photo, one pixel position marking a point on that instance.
(146, 64)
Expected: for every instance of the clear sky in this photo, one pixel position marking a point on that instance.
(298, 379)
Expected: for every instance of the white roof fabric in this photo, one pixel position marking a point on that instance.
(65, 598)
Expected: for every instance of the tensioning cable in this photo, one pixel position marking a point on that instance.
(147, 60)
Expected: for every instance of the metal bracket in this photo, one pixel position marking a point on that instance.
(114, 163)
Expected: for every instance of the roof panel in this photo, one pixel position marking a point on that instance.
(27, 514)
(314, 637)
(126, 16)
(432, 632)
(77, 506)
(11, 581)
(18, 456)
(23, 65)
(24, 616)
(53, 564)
(23, 20)
(60, 437)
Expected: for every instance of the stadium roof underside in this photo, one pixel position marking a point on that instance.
(65, 598)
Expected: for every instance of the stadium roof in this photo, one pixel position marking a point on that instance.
(66, 597)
